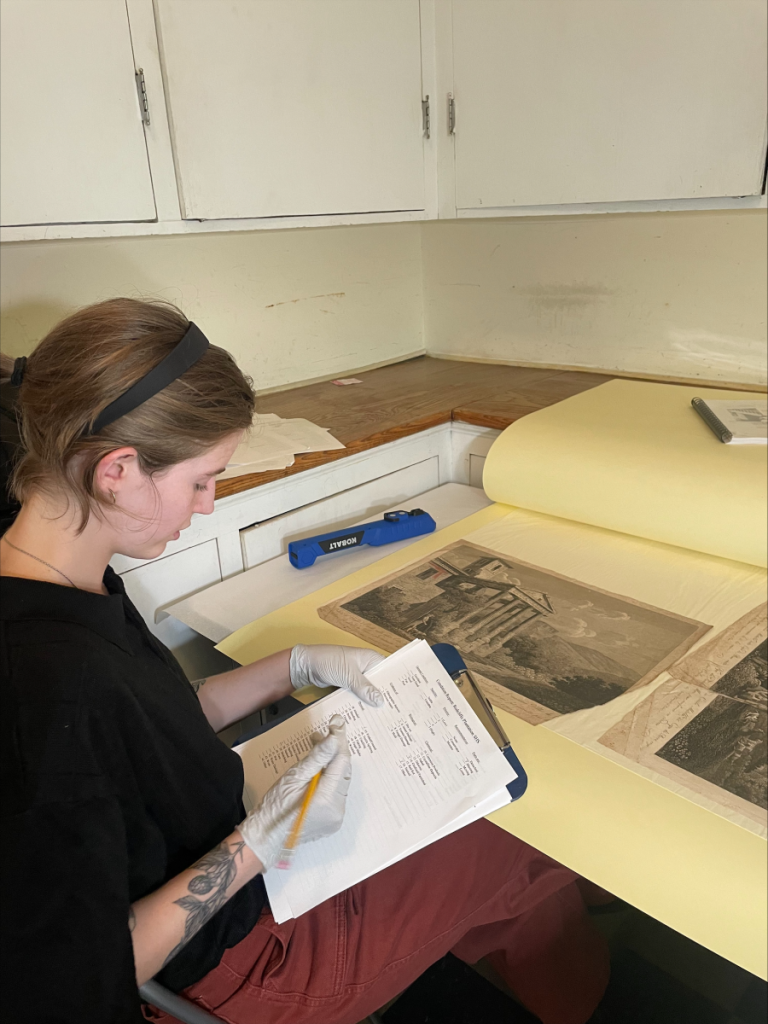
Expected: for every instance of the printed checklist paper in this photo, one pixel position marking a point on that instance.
(422, 766)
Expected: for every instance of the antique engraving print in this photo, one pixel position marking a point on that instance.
(749, 414)
(706, 728)
(540, 644)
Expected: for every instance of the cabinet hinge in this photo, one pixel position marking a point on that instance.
(425, 116)
(141, 87)
(451, 114)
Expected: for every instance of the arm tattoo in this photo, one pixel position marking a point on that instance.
(217, 872)
(198, 683)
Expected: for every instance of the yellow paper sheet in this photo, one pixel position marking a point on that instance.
(701, 874)
(634, 456)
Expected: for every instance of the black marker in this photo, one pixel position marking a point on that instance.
(714, 423)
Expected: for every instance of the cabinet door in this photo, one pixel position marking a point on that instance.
(73, 147)
(289, 107)
(165, 580)
(608, 100)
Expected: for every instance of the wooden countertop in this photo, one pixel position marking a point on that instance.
(402, 399)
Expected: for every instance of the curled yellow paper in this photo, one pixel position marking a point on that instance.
(635, 457)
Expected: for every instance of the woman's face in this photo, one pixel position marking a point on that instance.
(158, 508)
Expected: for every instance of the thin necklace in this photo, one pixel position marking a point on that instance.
(41, 560)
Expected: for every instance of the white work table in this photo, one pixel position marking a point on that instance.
(224, 607)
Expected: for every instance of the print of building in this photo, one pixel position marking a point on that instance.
(486, 609)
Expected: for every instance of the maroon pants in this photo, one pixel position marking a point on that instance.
(478, 893)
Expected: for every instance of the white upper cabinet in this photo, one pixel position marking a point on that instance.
(73, 147)
(294, 107)
(599, 101)
(265, 110)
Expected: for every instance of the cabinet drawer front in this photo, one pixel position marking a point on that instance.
(476, 467)
(269, 539)
(157, 583)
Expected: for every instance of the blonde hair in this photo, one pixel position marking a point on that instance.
(85, 363)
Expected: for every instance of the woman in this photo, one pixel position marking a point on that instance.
(128, 854)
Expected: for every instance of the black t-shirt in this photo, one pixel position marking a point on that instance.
(113, 782)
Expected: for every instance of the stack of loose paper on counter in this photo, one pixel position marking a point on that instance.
(273, 442)
(423, 766)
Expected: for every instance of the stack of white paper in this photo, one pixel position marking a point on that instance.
(273, 442)
(422, 766)
(747, 420)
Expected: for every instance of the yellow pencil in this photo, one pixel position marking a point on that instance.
(293, 836)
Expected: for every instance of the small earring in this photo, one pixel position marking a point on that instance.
(112, 496)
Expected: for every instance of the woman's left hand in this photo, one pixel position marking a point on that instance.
(329, 665)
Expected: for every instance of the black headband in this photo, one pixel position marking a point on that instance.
(19, 366)
(191, 347)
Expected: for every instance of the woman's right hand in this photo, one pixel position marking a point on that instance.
(266, 829)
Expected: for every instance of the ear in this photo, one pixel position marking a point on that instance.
(115, 470)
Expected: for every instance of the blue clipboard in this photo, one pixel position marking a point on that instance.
(454, 665)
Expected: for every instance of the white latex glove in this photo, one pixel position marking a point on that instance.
(329, 665)
(266, 829)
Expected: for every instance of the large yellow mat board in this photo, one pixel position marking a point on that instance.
(698, 872)
(634, 456)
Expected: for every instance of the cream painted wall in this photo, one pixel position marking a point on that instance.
(677, 294)
(289, 305)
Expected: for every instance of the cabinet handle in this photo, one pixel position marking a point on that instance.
(141, 88)
(451, 115)
(425, 116)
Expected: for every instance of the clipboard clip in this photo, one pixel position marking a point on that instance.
(454, 665)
